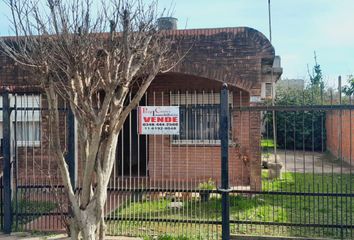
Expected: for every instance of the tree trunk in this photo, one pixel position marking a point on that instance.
(88, 223)
(102, 230)
(92, 224)
(89, 232)
(74, 229)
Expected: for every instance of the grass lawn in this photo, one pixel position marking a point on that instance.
(266, 208)
(267, 143)
(25, 206)
(267, 147)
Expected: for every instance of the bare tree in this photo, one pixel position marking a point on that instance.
(94, 60)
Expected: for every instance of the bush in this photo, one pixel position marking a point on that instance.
(208, 185)
(302, 130)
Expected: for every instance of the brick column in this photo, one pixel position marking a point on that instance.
(255, 151)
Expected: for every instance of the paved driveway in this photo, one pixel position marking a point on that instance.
(309, 162)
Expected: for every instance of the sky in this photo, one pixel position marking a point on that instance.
(299, 27)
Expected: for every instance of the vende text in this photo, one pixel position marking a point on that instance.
(161, 119)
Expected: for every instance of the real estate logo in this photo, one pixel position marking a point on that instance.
(158, 120)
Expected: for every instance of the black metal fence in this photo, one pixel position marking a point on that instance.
(32, 196)
(306, 191)
(1, 205)
(298, 182)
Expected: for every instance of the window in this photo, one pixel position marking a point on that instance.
(25, 127)
(199, 123)
(28, 133)
(199, 118)
(26, 122)
(268, 90)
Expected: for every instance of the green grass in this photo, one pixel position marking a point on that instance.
(156, 230)
(308, 182)
(260, 208)
(267, 143)
(25, 206)
(169, 237)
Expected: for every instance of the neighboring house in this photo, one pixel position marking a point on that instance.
(291, 84)
(242, 57)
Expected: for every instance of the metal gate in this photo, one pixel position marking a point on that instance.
(226, 172)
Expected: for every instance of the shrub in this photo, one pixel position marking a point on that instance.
(298, 129)
(208, 185)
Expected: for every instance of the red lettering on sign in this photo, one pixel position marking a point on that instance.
(161, 119)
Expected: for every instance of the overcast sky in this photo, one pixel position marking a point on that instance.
(299, 28)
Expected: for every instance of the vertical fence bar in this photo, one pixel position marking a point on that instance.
(71, 160)
(224, 137)
(340, 154)
(7, 163)
(70, 157)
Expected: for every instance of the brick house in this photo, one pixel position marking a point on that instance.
(242, 57)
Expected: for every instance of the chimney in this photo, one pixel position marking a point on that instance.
(167, 23)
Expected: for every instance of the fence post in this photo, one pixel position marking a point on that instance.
(71, 159)
(7, 163)
(224, 138)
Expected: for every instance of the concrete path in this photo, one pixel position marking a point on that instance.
(308, 162)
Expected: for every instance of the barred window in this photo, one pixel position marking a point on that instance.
(199, 117)
(28, 133)
(25, 120)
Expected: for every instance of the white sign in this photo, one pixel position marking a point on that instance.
(255, 99)
(158, 120)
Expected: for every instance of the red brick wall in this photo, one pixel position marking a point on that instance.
(38, 165)
(196, 163)
(232, 55)
(169, 161)
(336, 125)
